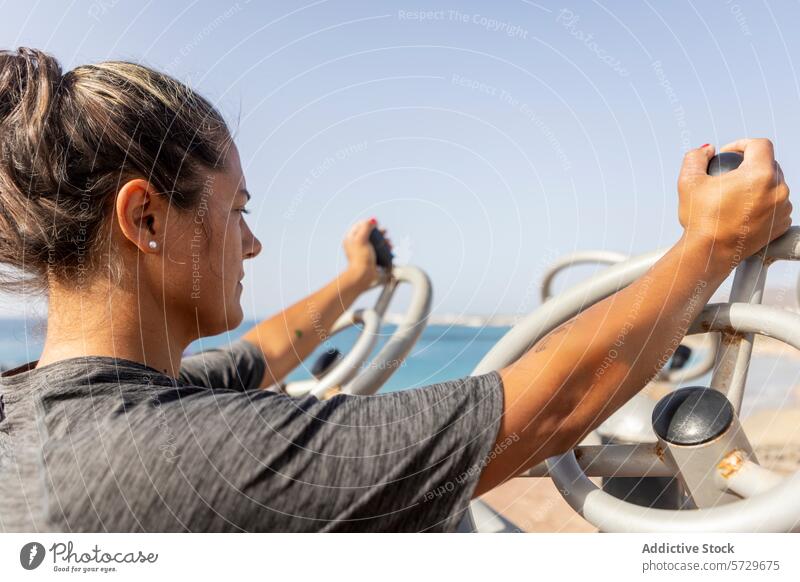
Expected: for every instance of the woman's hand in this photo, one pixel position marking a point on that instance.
(738, 212)
(362, 269)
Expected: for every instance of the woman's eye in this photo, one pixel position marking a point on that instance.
(244, 211)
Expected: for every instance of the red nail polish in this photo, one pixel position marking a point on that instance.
(373, 221)
(705, 145)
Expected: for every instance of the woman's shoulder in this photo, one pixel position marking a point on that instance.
(239, 365)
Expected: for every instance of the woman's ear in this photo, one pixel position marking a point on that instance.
(141, 213)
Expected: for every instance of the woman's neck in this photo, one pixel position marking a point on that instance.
(106, 321)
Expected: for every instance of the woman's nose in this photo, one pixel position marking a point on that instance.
(253, 248)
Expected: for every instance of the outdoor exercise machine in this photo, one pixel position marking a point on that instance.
(696, 435)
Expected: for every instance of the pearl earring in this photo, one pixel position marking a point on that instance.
(153, 244)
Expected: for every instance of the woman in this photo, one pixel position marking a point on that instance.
(122, 197)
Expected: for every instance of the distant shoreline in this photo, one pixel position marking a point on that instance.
(462, 319)
(780, 297)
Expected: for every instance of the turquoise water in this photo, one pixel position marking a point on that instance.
(20, 341)
(444, 352)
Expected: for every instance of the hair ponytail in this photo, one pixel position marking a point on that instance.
(68, 142)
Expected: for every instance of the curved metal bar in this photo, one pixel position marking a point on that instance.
(574, 300)
(598, 287)
(775, 511)
(639, 460)
(577, 258)
(355, 358)
(354, 374)
(708, 358)
(749, 289)
(561, 308)
(298, 388)
(389, 358)
(347, 319)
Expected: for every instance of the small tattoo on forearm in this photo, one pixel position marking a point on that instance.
(298, 333)
(542, 345)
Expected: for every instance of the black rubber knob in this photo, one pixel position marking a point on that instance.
(724, 163)
(383, 254)
(325, 362)
(692, 416)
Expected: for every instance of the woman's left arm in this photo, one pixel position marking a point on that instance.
(287, 338)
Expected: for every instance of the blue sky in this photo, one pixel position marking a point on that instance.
(490, 138)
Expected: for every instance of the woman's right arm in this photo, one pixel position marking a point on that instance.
(580, 373)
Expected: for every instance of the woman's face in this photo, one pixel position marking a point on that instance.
(204, 253)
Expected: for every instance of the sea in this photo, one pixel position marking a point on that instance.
(443, 352)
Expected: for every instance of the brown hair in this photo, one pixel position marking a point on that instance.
(68, 142)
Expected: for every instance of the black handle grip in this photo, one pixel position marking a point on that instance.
(383, 253)
(724, 163)
(324, 362)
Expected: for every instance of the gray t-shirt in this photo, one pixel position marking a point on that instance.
(97, 444)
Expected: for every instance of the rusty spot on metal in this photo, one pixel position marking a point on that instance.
(660, 452)
(730, 335)
(731, 464)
